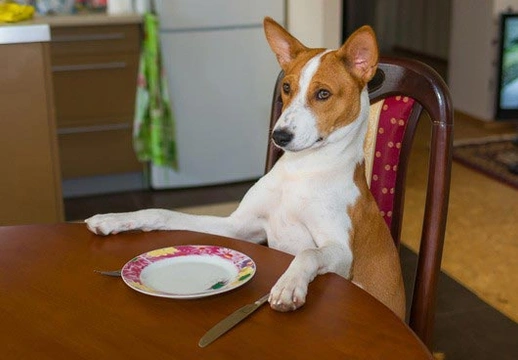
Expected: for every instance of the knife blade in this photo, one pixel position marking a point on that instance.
(230, 321)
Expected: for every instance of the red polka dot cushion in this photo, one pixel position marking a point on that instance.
(383, 146)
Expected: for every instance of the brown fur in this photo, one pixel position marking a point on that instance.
(374, 251)
(345, 107)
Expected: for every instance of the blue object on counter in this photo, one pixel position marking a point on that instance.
(49, 7)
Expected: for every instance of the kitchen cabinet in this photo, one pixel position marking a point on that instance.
(30, 185)
(94, 70)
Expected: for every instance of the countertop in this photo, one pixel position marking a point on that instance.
(19, 33)
(38, 28)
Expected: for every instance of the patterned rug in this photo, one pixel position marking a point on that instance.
(496, 157)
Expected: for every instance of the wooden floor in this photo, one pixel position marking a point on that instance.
(479, 265)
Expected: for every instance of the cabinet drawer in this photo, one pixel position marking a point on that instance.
(94, 89)
(97, 153)
(83, 40)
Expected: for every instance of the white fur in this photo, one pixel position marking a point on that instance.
(298, 118)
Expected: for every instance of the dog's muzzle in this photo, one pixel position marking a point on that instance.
(282, 137)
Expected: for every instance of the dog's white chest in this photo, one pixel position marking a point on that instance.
(286, 227)
(298, 206)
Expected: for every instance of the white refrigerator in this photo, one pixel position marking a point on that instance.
(221, 74)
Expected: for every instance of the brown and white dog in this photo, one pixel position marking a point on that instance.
(315, 202)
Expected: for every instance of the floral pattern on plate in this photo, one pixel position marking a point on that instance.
(242, 268)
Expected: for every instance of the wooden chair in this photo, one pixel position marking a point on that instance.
(399, 92)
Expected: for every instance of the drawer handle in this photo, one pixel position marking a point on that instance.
(91, 129)
(82, 67)
(88, 37)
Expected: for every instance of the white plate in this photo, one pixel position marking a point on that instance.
(188, 271)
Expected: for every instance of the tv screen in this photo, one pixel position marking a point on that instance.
(507, 91)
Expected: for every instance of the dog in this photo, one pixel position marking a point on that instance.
(315, 202)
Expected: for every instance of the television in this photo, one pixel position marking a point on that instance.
(507, 83)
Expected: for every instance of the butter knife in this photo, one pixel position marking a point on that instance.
(230, 321)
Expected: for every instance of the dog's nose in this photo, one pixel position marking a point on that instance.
(282, 137)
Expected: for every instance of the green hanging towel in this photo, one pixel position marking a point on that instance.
(153, 128)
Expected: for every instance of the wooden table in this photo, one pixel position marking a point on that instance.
(53, 306)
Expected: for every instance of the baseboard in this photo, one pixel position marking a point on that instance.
(106, 184)
(488, 124)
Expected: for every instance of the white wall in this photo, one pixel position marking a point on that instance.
(472, 74)
(503, 5)
(316, 23)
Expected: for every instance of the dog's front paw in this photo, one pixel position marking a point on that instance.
(106, 224)
(289, 293)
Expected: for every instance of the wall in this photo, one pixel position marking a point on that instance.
(316, 23)
(503, 5)
(472, 73)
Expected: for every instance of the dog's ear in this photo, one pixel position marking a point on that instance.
(283, 44)
(360, 53)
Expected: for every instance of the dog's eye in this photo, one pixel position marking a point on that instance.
(323, 94)
(286, 88)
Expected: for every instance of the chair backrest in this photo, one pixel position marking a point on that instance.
(399, 92)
